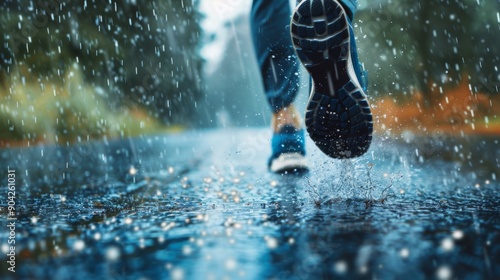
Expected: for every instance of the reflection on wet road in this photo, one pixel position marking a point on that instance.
(203, 206)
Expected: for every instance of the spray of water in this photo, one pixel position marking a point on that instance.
(353, 180)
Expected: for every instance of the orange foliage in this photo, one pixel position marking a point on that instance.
(457, 111)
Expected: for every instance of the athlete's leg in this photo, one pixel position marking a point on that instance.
(270, 21)
(270, 24)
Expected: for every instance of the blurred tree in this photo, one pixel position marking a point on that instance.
(140, 51)
(441, 29)
(485, 59)
(432, 44)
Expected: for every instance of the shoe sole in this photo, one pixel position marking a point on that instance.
(292, 163)
(338, 117)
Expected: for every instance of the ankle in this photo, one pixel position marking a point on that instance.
(286, 116)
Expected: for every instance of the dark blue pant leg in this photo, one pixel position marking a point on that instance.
(270, 24)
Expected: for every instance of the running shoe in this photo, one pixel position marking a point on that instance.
(288, 151)
(338, 117)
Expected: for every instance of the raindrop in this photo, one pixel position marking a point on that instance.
(177, 274)
(230, 264)
(404, 253)
(5, 248)
(340, 267)
(187, 250)
(79, 245)
(458, 234)
(443, 273)
(132, 171)
(447, 244)
(271, 242)
(207, 180)
(112, 254)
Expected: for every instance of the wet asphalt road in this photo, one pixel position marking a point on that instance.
(201, 205)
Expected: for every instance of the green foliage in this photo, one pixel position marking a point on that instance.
(430, 44)
(56, 112)
(144, 52)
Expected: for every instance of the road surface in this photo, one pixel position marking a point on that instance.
(202, 205)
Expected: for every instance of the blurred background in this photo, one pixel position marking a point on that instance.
(153, 203)
(80, 70)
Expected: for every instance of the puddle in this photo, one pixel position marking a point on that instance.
(170, 207)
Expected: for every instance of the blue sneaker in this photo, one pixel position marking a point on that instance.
(289, 151)
(338, 116)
